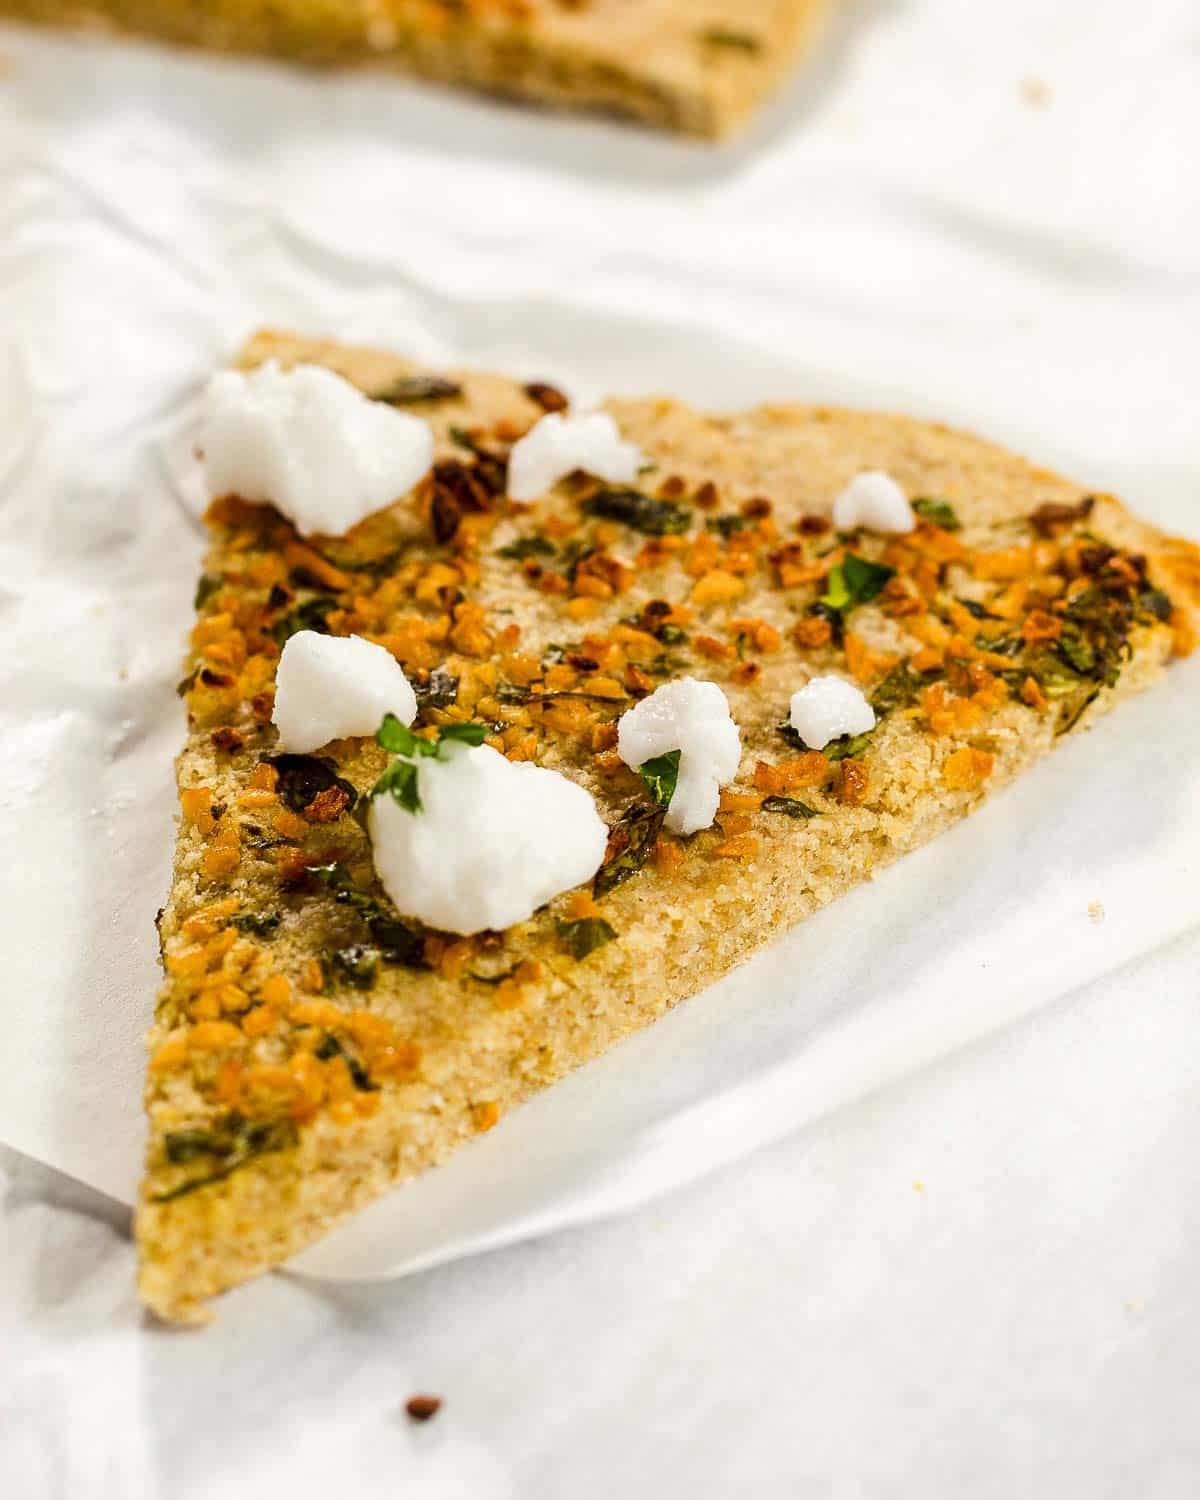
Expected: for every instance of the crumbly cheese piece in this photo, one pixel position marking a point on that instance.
(691, 717)
(491, 841)
(310, 444)
(874, 501)
(557, 446)
(827, 708)
(330, 687)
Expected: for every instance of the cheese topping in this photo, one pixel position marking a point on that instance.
(827, 708)
(310, 444)
(693, 718)
(556, 446)
(489, 841)
(874, 501)
(328, 687)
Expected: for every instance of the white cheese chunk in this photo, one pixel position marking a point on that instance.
(557, 445)
(329, 686)
(492, 840)
(310, 444)
(828, 707)
(874, 501)
(691, 717)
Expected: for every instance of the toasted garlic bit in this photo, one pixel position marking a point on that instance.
(329, 687)
(310, 444)
(557, 445)
(875, 502)
(691, 717)
(492, 840)
(827, 708)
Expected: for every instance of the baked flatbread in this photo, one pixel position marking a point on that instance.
(312, 1049)
(700, 66)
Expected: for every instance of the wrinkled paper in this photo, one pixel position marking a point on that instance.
(157, 209)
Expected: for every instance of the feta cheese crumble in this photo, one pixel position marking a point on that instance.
(328, 687)
(691, 717)
(827, 708)
(874, 501)
(557, 445)
(490, 841)
(310, 444)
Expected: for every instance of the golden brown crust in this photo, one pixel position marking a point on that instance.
(699, 66)
(963, 649)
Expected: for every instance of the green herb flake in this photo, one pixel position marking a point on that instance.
(585, 936)
(938, 513)
(409, 390)
(358, 965)
(527, 546)
(462, 734)
(644, 513)
(789, 807)
(731, 41)
(855, 580)
(397, 942)
(230, 1142)
(206, 586)
(331, 1047)
(313, 614)
(440, 691)
(260, 926)
(399, 782)
(1154, 604)
(899, 689)
(661, 776)
(848, 747)
(629, 844)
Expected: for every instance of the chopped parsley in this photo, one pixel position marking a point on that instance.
(938, 513)
(585, 936)
(527, 546)
(661, 775)
(855, 580)
(645, 513)
(789, 807)
(629, 844)
(399, 781)
(411, 389)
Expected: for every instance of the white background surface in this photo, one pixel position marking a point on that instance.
(980, 1280)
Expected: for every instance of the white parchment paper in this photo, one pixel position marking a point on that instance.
(958, 251)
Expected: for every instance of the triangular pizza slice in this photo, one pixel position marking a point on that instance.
(482, 778)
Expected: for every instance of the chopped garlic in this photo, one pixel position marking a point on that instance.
(875, 501)
(328, 687)
(556, 446)
(310, 444)
(491, 841)
(693, 718)
(827, 708)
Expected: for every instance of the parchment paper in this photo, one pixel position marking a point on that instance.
(156, 209)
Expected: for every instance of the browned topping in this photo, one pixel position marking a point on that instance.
(548, 397)
(227, 740)
(852, 782)
(422, 1408)
(1050, 517)
(707, 496)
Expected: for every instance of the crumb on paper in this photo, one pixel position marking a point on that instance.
(423, 1408)
(1096, 911)
(918, 1186)
(1036, 92)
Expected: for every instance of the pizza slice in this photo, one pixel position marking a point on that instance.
(481, 779)
(700, 66)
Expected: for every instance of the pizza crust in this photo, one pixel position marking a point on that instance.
(698, 66)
